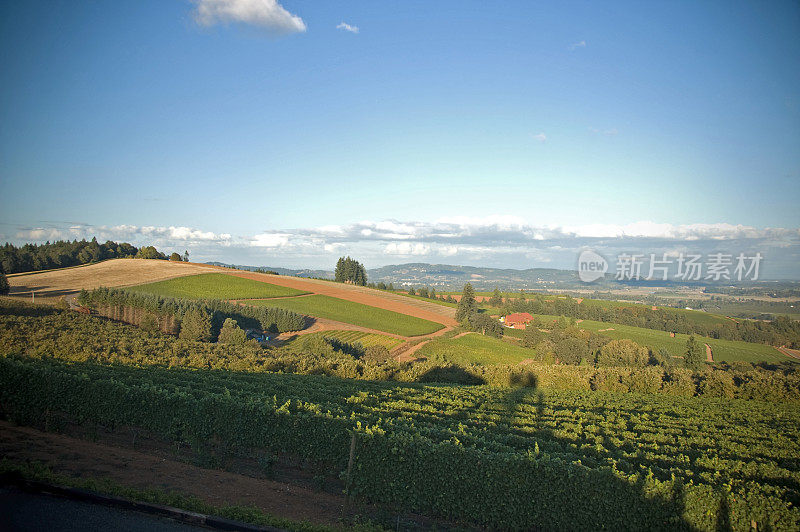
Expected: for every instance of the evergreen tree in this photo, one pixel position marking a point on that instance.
(231, 333)
(4, 287)
(695, 354)
(532, 336)
(497, 298)
(467, 306)
(196, 325)
(350, 271)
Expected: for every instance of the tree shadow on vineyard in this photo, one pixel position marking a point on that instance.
(450, 375)
(15, 307)
(589, 496)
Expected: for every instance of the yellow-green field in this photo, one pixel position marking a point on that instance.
(364, 338)
(475, 348)
(332, 308)
(215, 286)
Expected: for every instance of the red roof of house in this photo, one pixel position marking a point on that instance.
(519, 317)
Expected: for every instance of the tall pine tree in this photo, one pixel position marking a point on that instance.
(467, 305)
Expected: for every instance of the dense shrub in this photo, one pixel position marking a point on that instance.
(623, 353)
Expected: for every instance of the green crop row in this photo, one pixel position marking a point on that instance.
(512, 459)
(214, 286)
(333, 308)
(364, 338)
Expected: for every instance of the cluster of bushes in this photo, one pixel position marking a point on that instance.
(72, 336)
(565, 343)
(192, 319)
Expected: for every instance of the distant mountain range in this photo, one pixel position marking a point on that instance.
(451, 277)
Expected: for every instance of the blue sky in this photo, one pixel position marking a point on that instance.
(246, 130)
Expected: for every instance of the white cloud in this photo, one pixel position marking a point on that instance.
(131, 233)
(541, 137)
(270, 240)
(406, 248)
(347, 27)
(575, 46)
(266, 14)
(492, 240)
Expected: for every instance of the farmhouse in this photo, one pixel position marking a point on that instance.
(518, 320)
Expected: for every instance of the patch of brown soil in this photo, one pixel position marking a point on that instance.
(79, 458)
(709, 354)
(794, 353)
(604, 330)
(49, 286)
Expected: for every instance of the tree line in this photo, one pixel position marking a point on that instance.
(781, 331)
(65, 253)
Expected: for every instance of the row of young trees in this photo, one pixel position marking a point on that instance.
(202, 320)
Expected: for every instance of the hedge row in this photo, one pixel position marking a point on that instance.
(132, 307)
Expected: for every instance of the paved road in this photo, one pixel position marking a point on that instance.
(34, 512)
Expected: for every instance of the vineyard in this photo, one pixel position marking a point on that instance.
(321, 306)
(475, 349)
(364, 338)
(214, 286)
(545, 459)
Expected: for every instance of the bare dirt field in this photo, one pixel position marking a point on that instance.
(53, 284)
(360, 294)
(80, 458)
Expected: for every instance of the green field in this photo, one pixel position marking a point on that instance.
(215, 286)
(333, 308)
(364, 338)
(723, 350)
(475, 348)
